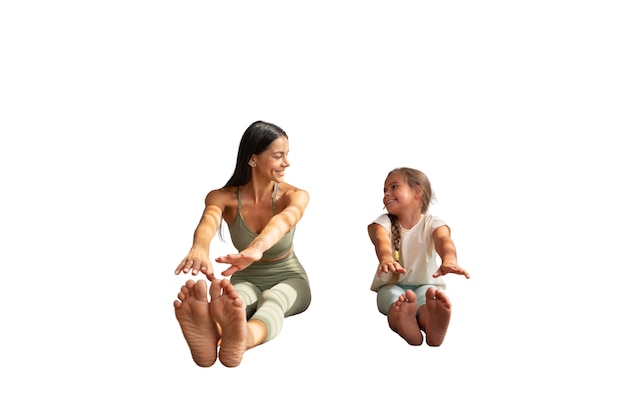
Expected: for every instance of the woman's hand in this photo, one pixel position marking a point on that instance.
(197, 261)
(239, 261)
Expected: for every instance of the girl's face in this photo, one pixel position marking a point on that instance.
(399, 196)
(273, 161)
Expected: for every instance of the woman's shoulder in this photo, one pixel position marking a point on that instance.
(290, 194)
(287, 189)
(222, 196)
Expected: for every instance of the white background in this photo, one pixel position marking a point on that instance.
(118, 117)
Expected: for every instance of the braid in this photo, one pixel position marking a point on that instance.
(396, 234)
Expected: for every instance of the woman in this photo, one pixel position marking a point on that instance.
(268, 282)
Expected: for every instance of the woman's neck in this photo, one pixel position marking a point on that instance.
(259, 190)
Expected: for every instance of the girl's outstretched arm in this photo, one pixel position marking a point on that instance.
(382, 245)
(447, 252)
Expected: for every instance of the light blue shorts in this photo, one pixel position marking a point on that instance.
(389, 294)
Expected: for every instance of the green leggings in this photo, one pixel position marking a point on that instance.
(273, 305)
(273, 291)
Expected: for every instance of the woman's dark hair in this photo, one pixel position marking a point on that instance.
(256, 139)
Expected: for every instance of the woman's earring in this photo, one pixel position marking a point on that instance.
(253, 164)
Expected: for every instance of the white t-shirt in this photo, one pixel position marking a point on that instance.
(417, 254)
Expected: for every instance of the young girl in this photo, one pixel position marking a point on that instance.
(407, 239)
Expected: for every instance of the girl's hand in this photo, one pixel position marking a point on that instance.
(450, 268)
(391, 265)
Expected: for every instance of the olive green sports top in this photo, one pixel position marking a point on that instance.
(242, 236)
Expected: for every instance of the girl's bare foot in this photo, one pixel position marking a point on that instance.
(228, 311)
(392, 314)
(406, 319)
(199, 330)
(434, 316)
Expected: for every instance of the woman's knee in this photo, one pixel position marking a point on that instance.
(249, 294)
(293, 296)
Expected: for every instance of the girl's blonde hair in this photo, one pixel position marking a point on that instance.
(416, 180)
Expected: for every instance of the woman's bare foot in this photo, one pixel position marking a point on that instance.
(434, 316)
(228, 311)
(199, 330)
(406, 319)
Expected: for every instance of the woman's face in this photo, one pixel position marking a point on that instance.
(272, 162)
